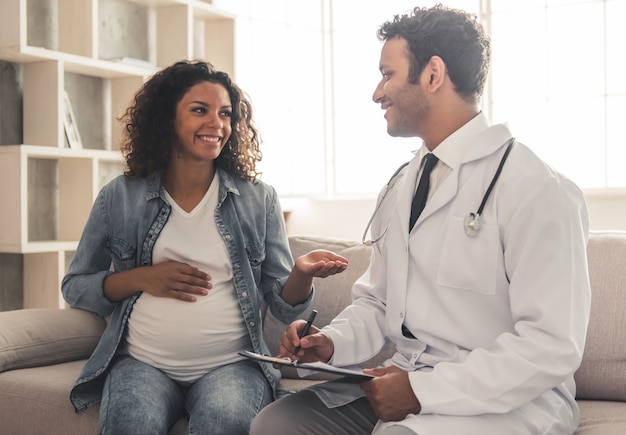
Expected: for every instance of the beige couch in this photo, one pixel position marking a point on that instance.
(43, 350)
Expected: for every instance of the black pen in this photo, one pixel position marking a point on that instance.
(305, 330)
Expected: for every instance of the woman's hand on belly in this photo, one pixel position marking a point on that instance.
(170, 279)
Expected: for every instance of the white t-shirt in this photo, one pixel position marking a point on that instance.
(187, 339)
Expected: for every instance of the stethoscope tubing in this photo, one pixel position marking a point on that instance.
(471, 220)
(471, 224)
(509, 145)
(382, 199)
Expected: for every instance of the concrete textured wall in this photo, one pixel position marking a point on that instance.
(43, 199)
(11, 281)
(10, 103)
(124, 30)
(42, 23)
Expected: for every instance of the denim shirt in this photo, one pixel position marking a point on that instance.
(123, 226)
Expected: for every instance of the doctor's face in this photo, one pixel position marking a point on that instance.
(404, 103)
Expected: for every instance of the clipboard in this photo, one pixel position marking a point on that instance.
(352, 373)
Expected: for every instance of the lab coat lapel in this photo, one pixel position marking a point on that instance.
(397, 260)
(397, 243)
(487, 143)
(405, 195)
(444, 194)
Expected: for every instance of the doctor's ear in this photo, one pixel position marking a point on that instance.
(435, 71)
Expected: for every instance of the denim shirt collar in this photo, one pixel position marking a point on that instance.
(155, 186)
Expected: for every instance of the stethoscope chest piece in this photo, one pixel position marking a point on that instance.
(471, 224)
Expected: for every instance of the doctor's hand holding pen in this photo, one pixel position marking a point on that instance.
(304, 342)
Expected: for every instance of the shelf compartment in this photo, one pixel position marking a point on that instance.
(54, 191)
(97, 103)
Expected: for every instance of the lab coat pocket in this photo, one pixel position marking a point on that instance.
(469, 263)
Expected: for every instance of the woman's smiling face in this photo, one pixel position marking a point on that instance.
(203, 121)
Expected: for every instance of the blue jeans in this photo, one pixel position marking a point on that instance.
(140, 399)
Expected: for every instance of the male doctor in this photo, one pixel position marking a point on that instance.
(487, 305)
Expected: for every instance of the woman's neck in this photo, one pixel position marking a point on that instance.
(187, 187)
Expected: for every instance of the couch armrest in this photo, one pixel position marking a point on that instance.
(44, 336)
(601, 375)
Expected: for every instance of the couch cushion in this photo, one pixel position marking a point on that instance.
(36, 401)
(602, 374)
(42, 336)
(332, 294)
(599, 417)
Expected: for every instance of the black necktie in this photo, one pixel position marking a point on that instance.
(421, 194)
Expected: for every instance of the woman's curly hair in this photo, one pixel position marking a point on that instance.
(149, 132)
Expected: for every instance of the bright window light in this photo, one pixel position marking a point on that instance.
(558, 77)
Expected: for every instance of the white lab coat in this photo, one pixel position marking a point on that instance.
(499, 319)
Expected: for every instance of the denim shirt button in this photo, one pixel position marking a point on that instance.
(227, 236)
(251, 324)
(244, 294)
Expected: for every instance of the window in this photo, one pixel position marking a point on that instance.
(562, 86)
(558, 77)
(365, 156)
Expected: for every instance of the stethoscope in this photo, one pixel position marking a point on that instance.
(471, 222)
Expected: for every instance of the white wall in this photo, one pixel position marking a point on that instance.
(347, 218)
(344, 219)
(607, 209)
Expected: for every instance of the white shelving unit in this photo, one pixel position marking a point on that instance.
(43, 170)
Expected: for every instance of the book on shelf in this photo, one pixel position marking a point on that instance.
(69, 123)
